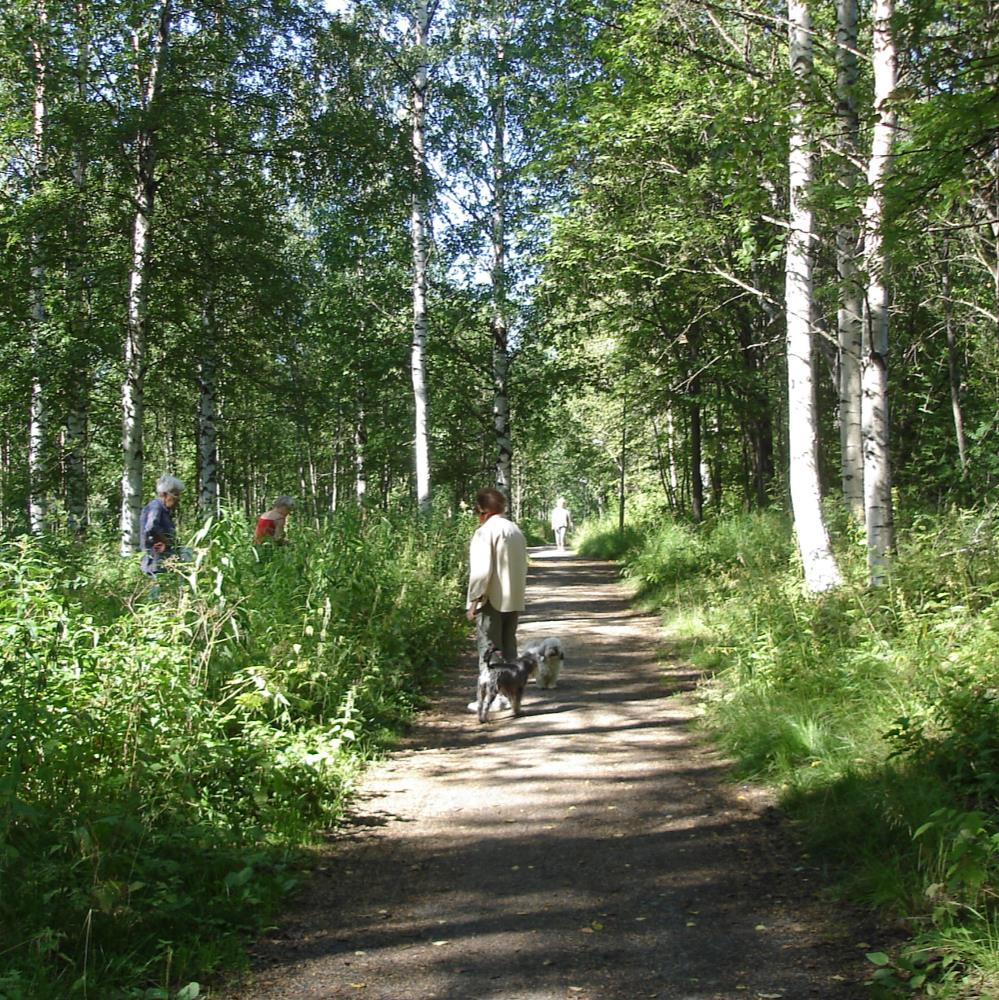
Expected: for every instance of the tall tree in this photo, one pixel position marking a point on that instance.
(851, 302)
(422, 16)
(150, 44)
(499, 326)
(874, 368)
(821, 572)
(38, 457)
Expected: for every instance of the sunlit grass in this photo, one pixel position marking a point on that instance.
(165, 758)
(874, 714)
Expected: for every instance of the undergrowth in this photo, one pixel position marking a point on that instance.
(164, 761)
(874, 712)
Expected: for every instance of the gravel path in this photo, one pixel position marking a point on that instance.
(592, 848)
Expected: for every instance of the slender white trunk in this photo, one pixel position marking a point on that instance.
(419, 212)
(954, 377)
(851, 299)
(498, 324)
(132, 393)
(360, 466)
(874, 365)
(38, 465)
(133, 386)
(77, 410)
(821, 572)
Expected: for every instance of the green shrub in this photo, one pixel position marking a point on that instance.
(161, 760)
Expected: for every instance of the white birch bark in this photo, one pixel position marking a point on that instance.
(498, 323)
(419, 214)
(874, 363)
(77, 411)
(820, 570)
(954, 366)
(360, 459)
(132, 395)
(851, 299)
(38, 465)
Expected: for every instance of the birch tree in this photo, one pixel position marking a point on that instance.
(419, 229)
(38, 464)
(498, 324)
(149, 63)
(874, 363)
(80, 319)
(849, 313)
(821, 572)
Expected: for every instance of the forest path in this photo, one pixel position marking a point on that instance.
(591, 848)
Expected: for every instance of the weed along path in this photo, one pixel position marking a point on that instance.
(593, 848)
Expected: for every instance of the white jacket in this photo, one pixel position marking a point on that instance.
(497, 565)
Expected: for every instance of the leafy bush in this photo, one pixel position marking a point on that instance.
(602, 538)
(876, 712)
(160, 759)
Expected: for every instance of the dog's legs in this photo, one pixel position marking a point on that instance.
(485, 698)
(516, 701)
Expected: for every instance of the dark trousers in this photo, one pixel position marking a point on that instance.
(496, 628)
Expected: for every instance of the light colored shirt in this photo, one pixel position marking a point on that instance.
(497, 565)
(560, 517)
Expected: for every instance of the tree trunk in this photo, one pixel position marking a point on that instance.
(874, 363)
(75, 453)
(851, 300)
(419, 213)
(208, 467)
(696, 460)
(132, 396)
(38, 463)
(954, 377)
(360, 458)
(820, 570)
(78, 391)
(498, 324)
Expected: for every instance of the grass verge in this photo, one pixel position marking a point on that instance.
(875, 713)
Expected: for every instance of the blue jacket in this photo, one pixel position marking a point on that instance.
(156, 525)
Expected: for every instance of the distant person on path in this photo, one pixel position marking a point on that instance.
(156, 528)
(561, 522)
(271, 525)
(497, 578)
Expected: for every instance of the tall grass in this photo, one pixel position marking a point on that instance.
(161, 761)
(875, 713)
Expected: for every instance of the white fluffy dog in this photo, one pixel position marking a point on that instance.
(551, 659)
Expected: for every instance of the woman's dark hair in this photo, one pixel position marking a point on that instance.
(490, 501)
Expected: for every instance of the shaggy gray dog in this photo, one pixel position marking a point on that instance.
(551, 659)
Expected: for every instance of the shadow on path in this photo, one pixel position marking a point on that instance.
(591, 848)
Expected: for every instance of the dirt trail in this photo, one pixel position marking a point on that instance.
(590, 849)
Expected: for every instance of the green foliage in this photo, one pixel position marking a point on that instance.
(602, 538)
(876, 713)
(162, 760)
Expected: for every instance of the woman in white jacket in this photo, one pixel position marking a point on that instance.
(497, 577)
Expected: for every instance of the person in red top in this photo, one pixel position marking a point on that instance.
(270, 526)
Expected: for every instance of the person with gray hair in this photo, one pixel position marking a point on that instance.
(271, 525)
(156, 529)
